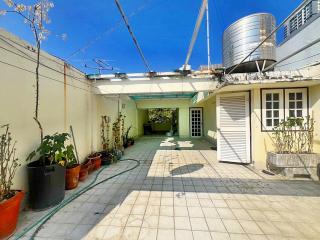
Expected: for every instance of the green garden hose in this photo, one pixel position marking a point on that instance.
(65, 202)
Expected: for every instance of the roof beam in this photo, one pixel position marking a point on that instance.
(147, 85)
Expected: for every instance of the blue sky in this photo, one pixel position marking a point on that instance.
(163, 29)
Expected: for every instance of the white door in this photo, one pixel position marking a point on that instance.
(196, 122)
(233, 128)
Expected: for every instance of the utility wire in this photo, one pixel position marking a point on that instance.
(208, 35)
(299, 60)
(266, 39)
(28, 57)
(41, 64)
(29, 48)
(126, 21)
(195, 32)
(89, 43)
(53, 79)
(106, 32)
(291, 55)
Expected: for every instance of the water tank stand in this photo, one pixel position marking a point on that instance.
(263, 66)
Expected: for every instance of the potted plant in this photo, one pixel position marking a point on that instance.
(117, 155)
(125, 138)
(106, 155)
(105, 128)
(117, 130)
(47, 174)
(73, 168)
(84, 170)
(10, 199)
(95, 159)
(131, 141)
(293, 155)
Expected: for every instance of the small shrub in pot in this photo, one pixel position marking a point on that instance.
(10, 199)
(73, 168)
(293, 156)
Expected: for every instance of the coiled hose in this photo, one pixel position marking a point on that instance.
(65, 202)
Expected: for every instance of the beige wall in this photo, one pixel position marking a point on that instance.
(61, 105)
(314, 94)
(182, 104)
(261, 141)
(209, 119)
(111, 107)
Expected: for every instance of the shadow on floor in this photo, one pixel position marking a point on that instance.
(94, 208)
(186, 169)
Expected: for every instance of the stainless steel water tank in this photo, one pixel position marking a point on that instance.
(241, 37)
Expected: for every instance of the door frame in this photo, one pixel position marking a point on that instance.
(248, 115)
(190, 122)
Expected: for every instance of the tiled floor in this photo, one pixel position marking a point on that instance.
(186, 194)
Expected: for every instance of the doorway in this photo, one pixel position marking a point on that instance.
(196, 122)
(233, 127)
(161, 122)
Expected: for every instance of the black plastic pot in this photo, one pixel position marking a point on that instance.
(46, 184)
(106, 158)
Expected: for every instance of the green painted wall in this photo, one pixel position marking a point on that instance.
(142, 118)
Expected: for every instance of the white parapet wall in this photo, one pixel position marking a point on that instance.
(64, 100)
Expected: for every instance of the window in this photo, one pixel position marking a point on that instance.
(280, 104)
(272, 108)
(293, 24)
(308, 11)
(296, 103)
(285, 32)
(299, 19)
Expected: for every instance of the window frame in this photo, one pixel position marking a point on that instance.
(305, 97)
(308, 11)
(264, 93)
(293, 24)
(284, 111)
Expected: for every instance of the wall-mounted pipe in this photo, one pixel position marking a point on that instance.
(65, 95)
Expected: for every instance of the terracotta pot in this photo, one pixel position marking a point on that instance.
(9, 213)
(86, 168)
(83, 172)
(90, 166)
(72, 177)
(95, 160)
